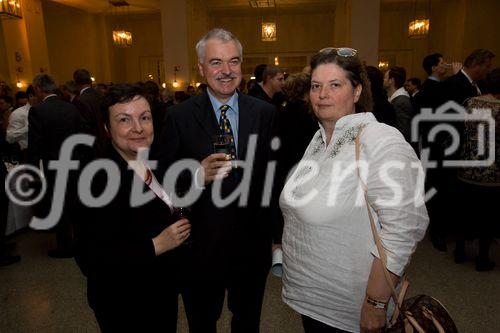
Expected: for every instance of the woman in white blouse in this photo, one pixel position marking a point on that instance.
(332, 274)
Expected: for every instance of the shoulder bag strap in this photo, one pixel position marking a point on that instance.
(383, 257)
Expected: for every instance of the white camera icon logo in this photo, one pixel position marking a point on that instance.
(443, 117)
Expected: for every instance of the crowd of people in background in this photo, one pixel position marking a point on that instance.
(35, 122)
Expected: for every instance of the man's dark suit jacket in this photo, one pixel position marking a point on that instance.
(51, 122)
(89, 103)
(231, 234)
(404, 115)
(458, 88)
(432, 95)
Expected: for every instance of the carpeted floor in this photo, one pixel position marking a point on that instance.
(43, 295)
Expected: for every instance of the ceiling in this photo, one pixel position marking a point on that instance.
(100, 6)
(103, 6)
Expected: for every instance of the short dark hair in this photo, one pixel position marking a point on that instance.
(416, 82)
(478, 57)
(430, 61)
(82, 76)
(355, 73)
(45, 83)
(151, 88)
(399, 75)
(270, 72)
(121, 93)
(19, 95)
(30, 91)
(259, 71)
(376, 78)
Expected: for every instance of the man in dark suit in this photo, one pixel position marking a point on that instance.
(432, 90)
(432, 95)
(231, 243)
(258, 74)
(89, 103)
(465, 83)
(459, 88)
(51, 122)
(272, 86)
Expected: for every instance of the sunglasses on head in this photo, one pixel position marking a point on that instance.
(340, 51)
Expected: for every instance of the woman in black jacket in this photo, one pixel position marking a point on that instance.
(128, 252)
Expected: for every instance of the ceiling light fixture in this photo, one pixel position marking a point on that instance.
(418, 26)
(10, 9)
(122, 37)
(261, 3)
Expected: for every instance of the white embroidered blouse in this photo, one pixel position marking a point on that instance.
(328, 247)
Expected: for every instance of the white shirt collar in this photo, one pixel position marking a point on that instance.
(416, 92)
(49, 96)
(433, 78)
(467, 76)
(84, 89)
(399, 92)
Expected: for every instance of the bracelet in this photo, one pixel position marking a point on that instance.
(376, 304)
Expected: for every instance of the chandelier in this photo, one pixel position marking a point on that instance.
(418, 28)
(419, 24)
(269, 32)
(10, 9)
(122, 38)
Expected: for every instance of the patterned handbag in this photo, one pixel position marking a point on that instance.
(422, 313)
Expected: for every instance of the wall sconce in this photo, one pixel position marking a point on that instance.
(276, 61)
(10, 9)
(197, 84)
(19, 70)
(176, 84)
(269, 32)
(92, 78)
(383, 65)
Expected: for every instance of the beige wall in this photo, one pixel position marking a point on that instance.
(78, 39)
(4, 64)
(456, 28)
(75, 40)
(26, 38)
(146, 48)
(482, 27)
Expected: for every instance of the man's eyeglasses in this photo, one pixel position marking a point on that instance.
(340, 51)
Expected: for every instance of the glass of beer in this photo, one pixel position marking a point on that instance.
(221, 144)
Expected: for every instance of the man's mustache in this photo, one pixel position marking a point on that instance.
(226, 76)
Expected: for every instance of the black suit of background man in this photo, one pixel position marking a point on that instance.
(89, 103)
(51, 122)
